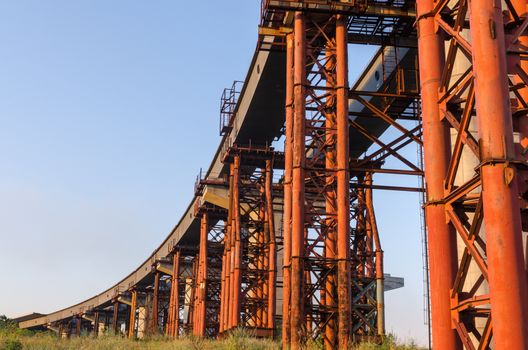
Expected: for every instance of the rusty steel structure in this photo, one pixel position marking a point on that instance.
(249, 270)
(282, 237)
(486, 210)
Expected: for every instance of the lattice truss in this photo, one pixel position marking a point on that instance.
(157, 303)
(372, 113)
(386, 121)
(250, 242)
(470, 302)
(320, 250)
(385, 22)
(138, 316)
(207, 286)
(181, 305)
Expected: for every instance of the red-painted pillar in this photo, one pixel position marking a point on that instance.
(288, 157)
(343, 186)
(297, 315)
(155, 304)
(442, 238)
(506, 273)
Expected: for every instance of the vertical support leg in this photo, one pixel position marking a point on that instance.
(226, 267)
(442, 239)
(228, 251)
(132, 320)
(222, 288)
(237, 263)
(288, 155)
(78, 326)
(521, 8)
(115, 317)
(272, 265)
(155, 304)
(343, 186)
(261, 315)
(192, 297)
(174, 307)
(506, 273)
(96, 324)
(61, 330)
(297, 316)
(380, 289)
(329, 293)
(202, 282)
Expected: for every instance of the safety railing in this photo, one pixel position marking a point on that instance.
(228, 103)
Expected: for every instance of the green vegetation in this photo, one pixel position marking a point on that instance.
(12, 338)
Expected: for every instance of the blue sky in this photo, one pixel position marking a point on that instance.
(108, 109)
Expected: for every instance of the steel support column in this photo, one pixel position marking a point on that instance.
(115, 317)
(251, 213)
(96, 324)
(378, 256)
(288, 155)
(296, 316)
(343, 184)
(441, 237)
(506, 273)
(520, 7)
(201, 304)
(484, 210)
(174, 304)
(320, 284)
(78, 326)
(236, 262)
(272, 248)
(132, 320)
(154, 328)
(329, 293)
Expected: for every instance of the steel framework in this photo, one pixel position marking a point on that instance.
(339, 142)
(249, 268)
(333, 274)
(208, 280)
(484, 210)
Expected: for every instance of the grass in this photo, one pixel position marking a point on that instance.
(45, 341)
(16, 339)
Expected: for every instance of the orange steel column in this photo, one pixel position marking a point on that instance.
(380, 290)
(226, 263)
(328, 294)
(236, 260)
(78, 326)
(132, 320)
(115, 317)
(297, 231)
(155, 304)
(96, 324)
(174, 307)
(176, 281)
(261, 315)
(272, 258)
(198, 293)
(222, 289)
(226, 300)
(442, 239)
(343, 185)
(170, 321)
(193, 298)
(506, 273)
(521, 7)
(202, 286)
(288, 157)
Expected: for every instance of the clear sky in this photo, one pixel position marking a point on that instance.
(108, 109)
